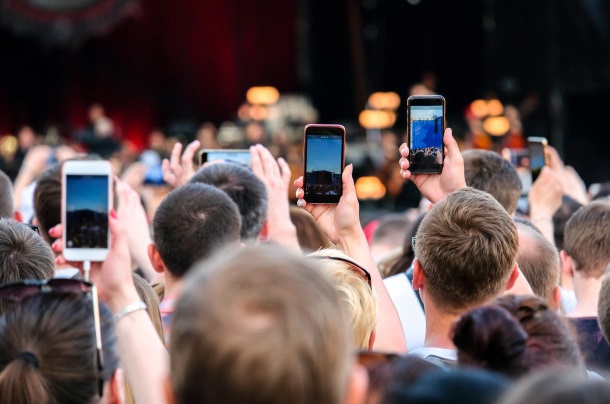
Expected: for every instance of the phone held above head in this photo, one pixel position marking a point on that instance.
(324, 159)
(538, 155)
(239, 156)
(86, 202)
(425, 129)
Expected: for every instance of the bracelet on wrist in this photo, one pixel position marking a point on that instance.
(130, 308)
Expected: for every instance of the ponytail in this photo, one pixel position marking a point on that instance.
(22, 382)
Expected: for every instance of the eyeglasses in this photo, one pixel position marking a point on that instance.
(33, 227)
(353, 266)
(18, 291)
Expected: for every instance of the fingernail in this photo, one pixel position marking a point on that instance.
(113, 214)
(54, 245)
(52, 231)
(300, 203)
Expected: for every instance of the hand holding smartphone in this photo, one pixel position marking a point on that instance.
(425, 129)
(86, 203)
(324, 161)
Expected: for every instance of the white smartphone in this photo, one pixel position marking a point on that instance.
(86, 199)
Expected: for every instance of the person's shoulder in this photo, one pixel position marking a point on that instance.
(439, 356)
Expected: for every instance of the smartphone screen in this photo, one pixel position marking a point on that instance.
(86, 211)
(537, 155)
(232, 156)
(324, 160)
(426, 125)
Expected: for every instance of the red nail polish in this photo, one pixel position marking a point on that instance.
(113, 214)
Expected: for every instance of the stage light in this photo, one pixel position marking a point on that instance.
(264, 95)
(496, 125)
(374, 119)
(495, 107)
(479, 108)
(387, 101)
(369, 188)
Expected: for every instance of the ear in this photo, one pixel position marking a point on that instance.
(264, 234)
(18, 216)
(418, 275)
(372, 338)
(357, 385)
(567, 265)
(115, 390)
(170, 397)
(555, 301)
(513, 277)
(155, 258)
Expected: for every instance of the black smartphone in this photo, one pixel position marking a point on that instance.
(538, 155)
(324, 160)
(425, 128)
(240, 156)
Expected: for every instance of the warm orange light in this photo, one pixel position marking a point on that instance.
(369, 188)
(265, 95)
(8, 145)
(496, 125)
(495, 107)
(389, 100)
(479, 108)
(259, 112)
(374, 119)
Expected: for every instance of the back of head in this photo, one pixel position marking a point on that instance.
(587, 238)
(256, 309)
(391, 231)
(466, 245)
(192, 223)
(23, 255)
(48, 350)
(450, 386)
(244, 188)
(567, 386)
(539, 261)
(488, 171)
(6, 196)
(311, 237)
(47, 200)
(361, 302)
(568, 207)
(603, 306)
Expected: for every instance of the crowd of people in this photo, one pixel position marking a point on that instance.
(219, 288)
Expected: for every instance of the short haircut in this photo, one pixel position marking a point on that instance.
(192, 223)
(603, 306)
(539, 261)
(58, 331)
(587, 238)
(23, 255)
(253, 309)
(6, 196)
(568, 207)
(466, 246)
(361, 302)
(47, 200)
(392, 229)
(244, 188)
(488, 171)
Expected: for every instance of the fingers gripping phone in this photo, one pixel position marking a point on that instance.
(241, 156)
(425, 128)
(538, 155)
(324, 160)
(86, 202)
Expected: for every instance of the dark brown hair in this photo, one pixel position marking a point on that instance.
(311, 237)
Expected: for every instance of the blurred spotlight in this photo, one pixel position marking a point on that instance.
(264, 95)
(8, 146)
(388, 101)
(479, 108)
(495, 107)
(374, 119)
(369, 188)
(496, 125)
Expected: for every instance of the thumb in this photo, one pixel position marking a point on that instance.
(348, 179)
(452, 147)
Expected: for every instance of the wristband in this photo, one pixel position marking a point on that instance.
(130, 308)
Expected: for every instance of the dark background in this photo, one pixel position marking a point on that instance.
(176, 63)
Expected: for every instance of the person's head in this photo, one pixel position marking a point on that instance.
(450, 386)
(539, 262)
(47, 200)
(260, 308)
(488, 171)
(407, 255)
(565, 386)
(244, 188)
(23, 255)
(48, 351)
(356, 293)
(568, 207)
(603, 306)
(192, 223)
(586, 239)
(311, 237)
(389, 234)
(466, 248)
(515, 335)
(6, 196)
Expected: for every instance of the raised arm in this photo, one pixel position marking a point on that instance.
(341, 223)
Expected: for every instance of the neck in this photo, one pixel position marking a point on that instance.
(438, 327)
(587, 294)
(172, 285)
